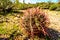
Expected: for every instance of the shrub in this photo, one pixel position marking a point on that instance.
(53, 7)
(46, 6)
(58, 9)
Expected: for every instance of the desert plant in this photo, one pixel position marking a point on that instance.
(53, 7)
(58, 9)
(34, 22)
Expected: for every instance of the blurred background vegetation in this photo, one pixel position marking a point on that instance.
(8, 5)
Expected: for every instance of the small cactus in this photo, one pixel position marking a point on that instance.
(34, 21)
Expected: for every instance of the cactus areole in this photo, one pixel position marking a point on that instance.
(35, 21)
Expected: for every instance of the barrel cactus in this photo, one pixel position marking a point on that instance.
(34, 22)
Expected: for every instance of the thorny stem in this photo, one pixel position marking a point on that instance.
(31, 28)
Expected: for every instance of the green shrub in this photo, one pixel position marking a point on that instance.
(53, 7)
(58, 9)
(45, 6)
